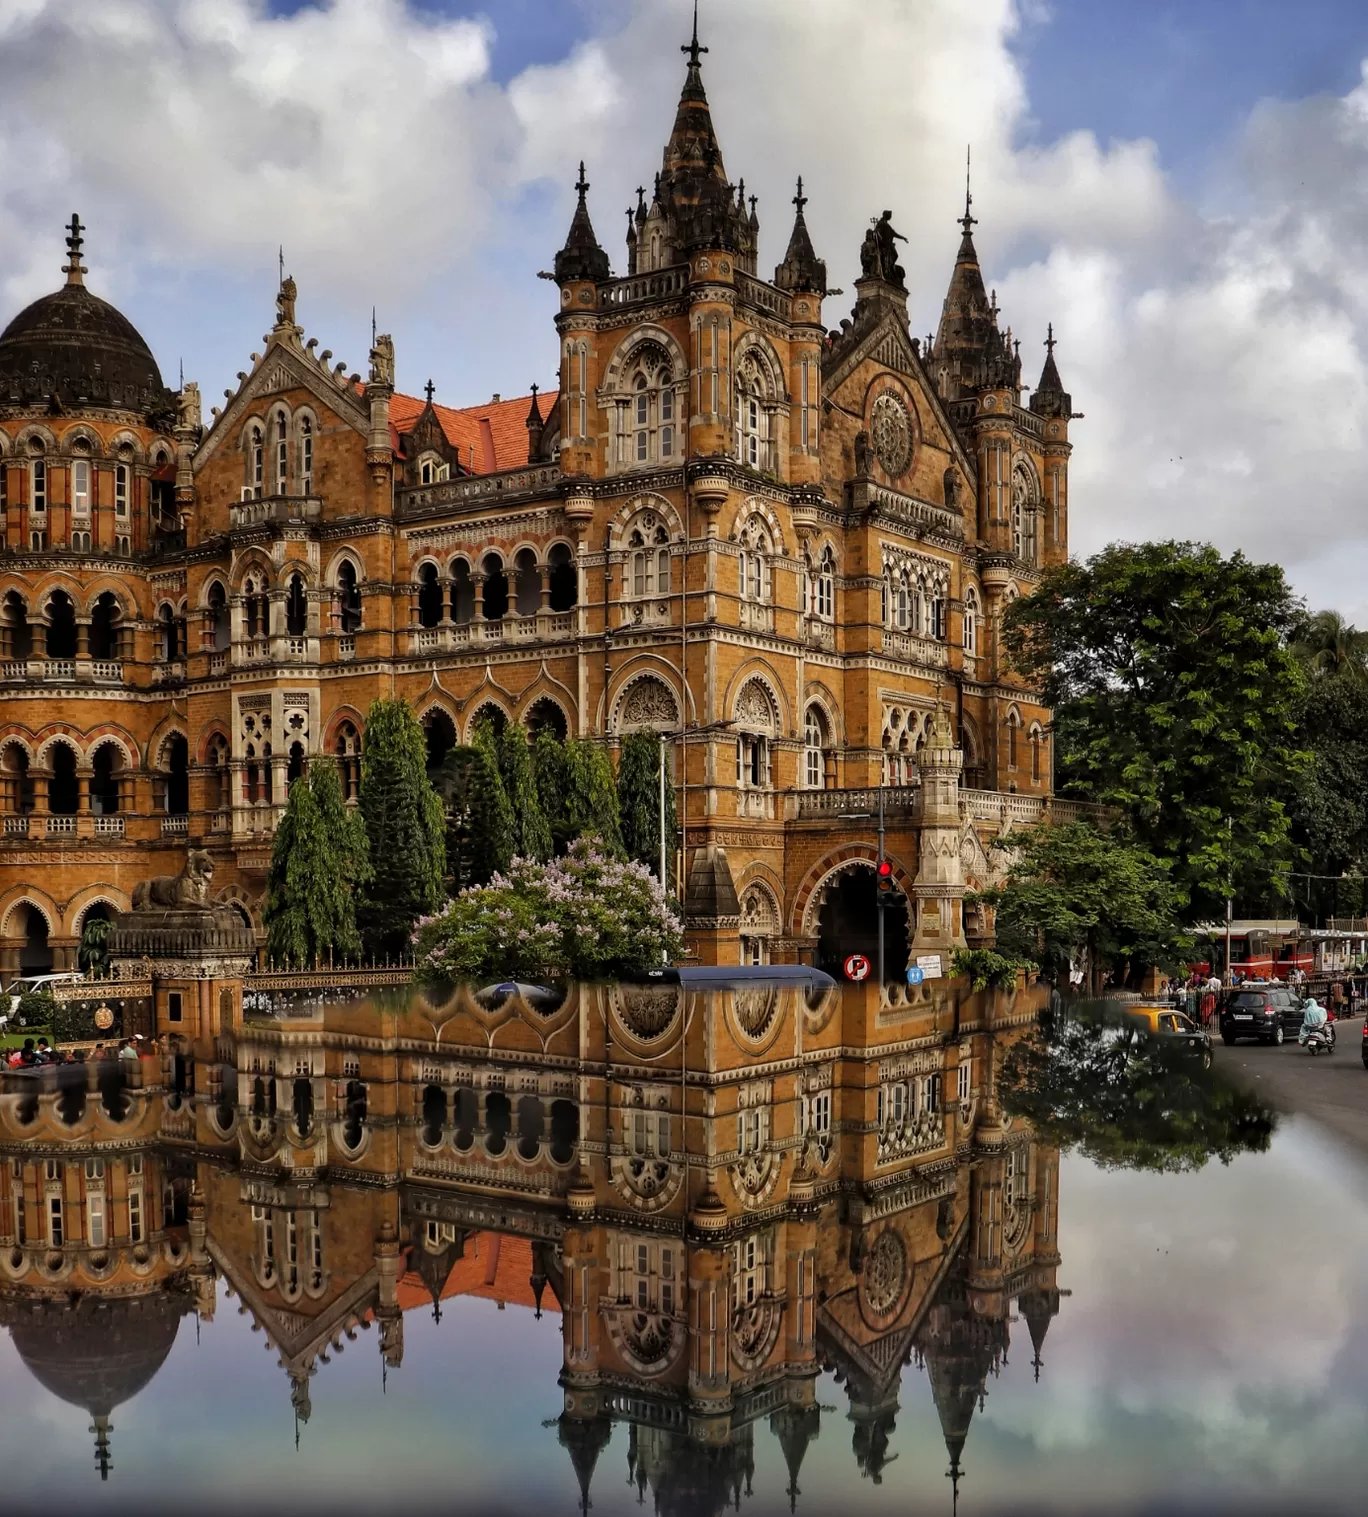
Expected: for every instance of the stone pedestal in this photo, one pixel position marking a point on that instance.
(196, 958)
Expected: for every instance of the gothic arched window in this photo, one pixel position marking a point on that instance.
(971, 622)
(754, 568)
(648, 564)
(816, 741)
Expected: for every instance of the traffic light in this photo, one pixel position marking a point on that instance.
(885, 876)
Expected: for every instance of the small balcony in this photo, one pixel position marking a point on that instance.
(275, 508)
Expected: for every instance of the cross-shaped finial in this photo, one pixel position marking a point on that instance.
(968, 219)
(692, 47)
(800, 199)
(280, 258)
(1050, 339)
(73, 269)
(535, 388)
(582, 184)
(753, 200)
(428, 388)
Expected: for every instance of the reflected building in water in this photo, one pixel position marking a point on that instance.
(721, 1195)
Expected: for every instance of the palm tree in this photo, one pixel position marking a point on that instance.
(1333, 648)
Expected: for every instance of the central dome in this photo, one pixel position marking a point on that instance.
(76, 349)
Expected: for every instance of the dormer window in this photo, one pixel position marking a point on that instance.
(282, 452)
(306, 456)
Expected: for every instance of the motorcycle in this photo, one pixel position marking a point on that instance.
(1320, 1039)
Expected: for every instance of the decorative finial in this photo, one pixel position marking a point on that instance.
(1050, 339)
(428, 388)
(968, 219)
(280, 256)
(73, 268)
(800, 199)
(582, 184)
(754, 199)
(692, 48)
(372, 326)
(535, 388)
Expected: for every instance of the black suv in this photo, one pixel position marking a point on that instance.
(1266, 1012)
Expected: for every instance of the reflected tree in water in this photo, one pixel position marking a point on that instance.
(1092, 1082)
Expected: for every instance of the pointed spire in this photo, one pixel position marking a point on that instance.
(801, 268)
(584, 1439)
(1050, 397)
(581, 257)
(73, 268)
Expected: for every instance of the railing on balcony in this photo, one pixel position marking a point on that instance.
(14, 668)
(297, 647)
(109, 826)
(275, 508)
(16, 826)
(346, 647)
(107, 670)
(169, 673)
(218, 663)
(175, 826)
(59, 668)
(255, 650)
(921, 650)
(897, 800)
(61, 826)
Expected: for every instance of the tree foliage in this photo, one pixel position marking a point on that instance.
(319, 858)
(405, 824)
(589, 799)
(1073, 892)
(1175, 693)
(1333, 649)
(529, 830)
(1128, 1101)
(587, 915)
(638, 785)
(548, 770)
(92, 957)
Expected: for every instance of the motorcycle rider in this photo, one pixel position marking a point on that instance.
(1313, 1016)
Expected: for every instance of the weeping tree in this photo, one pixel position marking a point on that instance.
(638, 787)
(548, 772)
(531, 833)
(319, 859)
(406, 825)
(590, 799)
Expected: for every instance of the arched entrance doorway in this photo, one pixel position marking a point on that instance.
(848, 923)
(35, 957)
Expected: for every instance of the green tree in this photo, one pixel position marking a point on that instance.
(1175, 694)
(1332, 648)
(531, 832)
(1097, 1084)
(319, 859)
(405, 824)
(587, 915)
(548, 767)
(590, 799)
(491, 822)
(1330, 805)
(92, 957)
(638, 786)
(1074, 891)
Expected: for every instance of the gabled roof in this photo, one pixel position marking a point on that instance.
(494, 1266)
(490, 438)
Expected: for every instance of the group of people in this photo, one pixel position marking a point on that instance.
(38, 1052)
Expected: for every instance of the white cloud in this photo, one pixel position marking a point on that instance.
(1218, 350)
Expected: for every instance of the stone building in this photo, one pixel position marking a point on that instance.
(781, 545)
(717, 1196)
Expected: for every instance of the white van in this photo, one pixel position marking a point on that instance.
(9, 1000)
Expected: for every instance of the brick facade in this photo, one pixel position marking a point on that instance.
(781, 546)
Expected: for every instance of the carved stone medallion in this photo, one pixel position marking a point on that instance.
(890, 434)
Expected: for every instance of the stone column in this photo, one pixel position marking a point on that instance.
(938, 893)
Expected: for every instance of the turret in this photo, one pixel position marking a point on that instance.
(801, 268)
(1051, 398)
(581, 258)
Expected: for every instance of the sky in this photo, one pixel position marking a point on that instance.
(1181, 188)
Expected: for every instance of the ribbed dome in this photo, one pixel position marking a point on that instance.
(97, 1354)
(76, 348)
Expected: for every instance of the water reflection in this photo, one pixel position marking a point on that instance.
(1088, 1077)
(721, 1194)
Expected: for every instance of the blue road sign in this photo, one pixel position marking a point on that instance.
(915, 975)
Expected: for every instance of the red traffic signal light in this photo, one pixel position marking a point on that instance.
(885, 873)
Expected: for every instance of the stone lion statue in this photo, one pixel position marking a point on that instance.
(188, 889)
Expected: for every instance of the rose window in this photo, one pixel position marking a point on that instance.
(890, 434)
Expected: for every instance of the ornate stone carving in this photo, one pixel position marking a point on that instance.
(382, 360)
(885, 1273)
(754, 708)
(890, 432)
(188, 889)
(188, 406)
(649, 704)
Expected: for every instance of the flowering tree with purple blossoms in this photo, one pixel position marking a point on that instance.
(586, 916)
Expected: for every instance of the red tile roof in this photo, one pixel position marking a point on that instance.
(494, 1266)
(490, 437)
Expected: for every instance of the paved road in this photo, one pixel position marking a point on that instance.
(1331, 1089)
